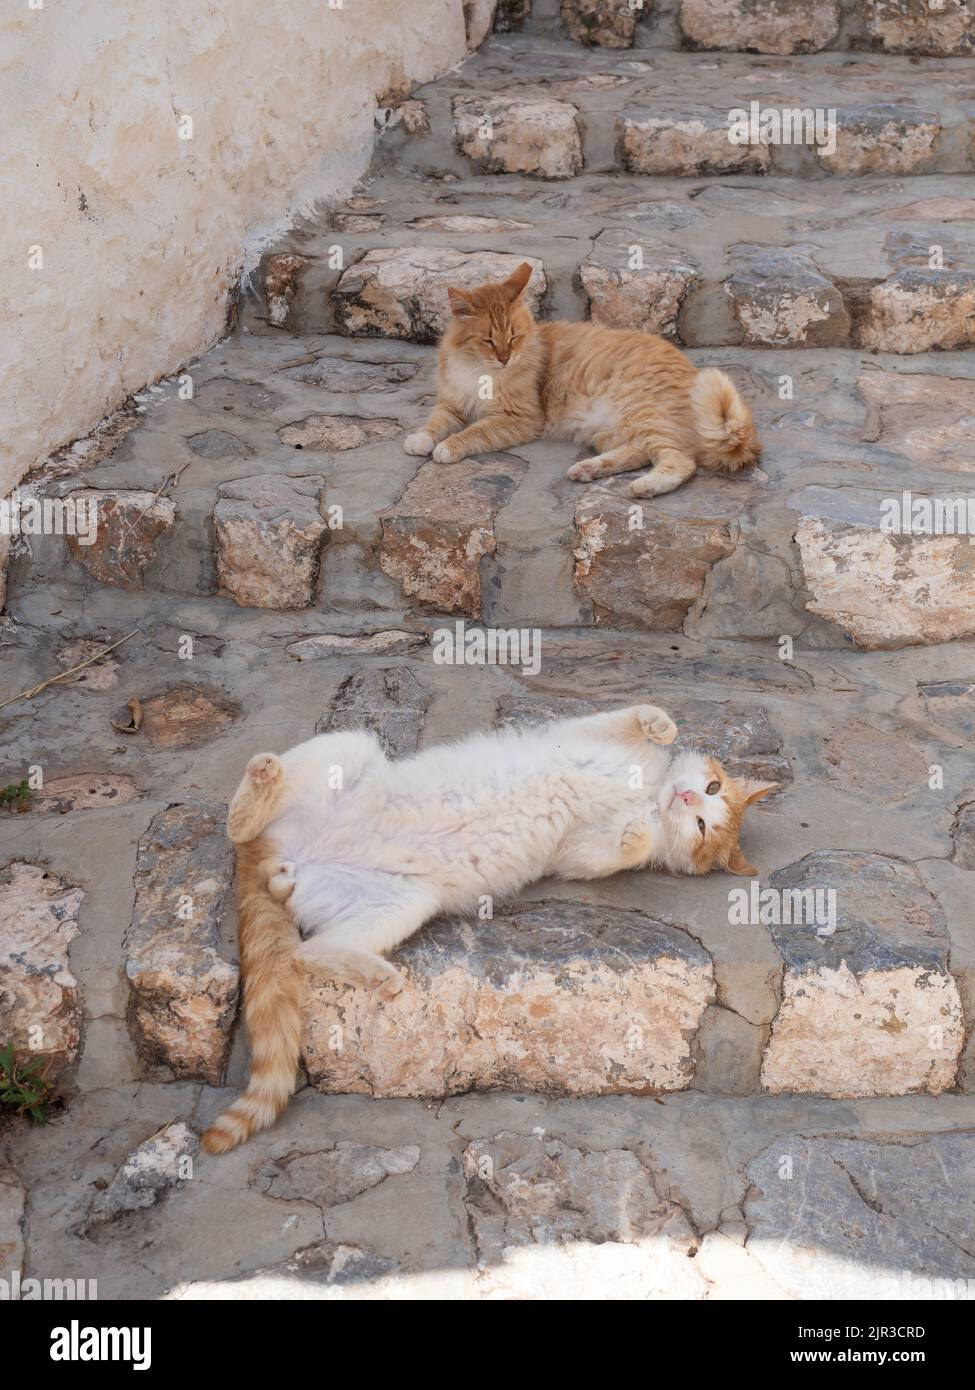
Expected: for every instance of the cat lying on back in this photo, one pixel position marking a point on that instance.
(632, 396)
(357, 852)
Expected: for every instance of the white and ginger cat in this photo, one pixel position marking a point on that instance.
(358, 869)
(634, 398)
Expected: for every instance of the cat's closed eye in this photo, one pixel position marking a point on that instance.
(713, 788)
(701, 826)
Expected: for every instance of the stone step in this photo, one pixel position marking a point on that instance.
(855, 528)
(641, 984)
(946, 29)
(723, 262)
(549, 110)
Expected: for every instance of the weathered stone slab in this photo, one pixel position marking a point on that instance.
(100, 675)
(161, 1164)
(187, 716)
(252, 399)
(130, 526)
(553, 1221)
(882, 139)
(886, 589)
(928, 419)
(403, 293)
(513, 134)
(390, 701)
(218, 444)
(781, 299)
(963, 836)
(269, 532)
(388, 642)
(951, 704)
(40, 1003)
(83, 792)
(688, 144)
(760, 26)
(434, 537)
(648, 576)
(282, 275)
(334, 433)
(182, 992)
(349, 375)
(858, 1219)
(943, 29)
(463, 223)
(883, 766)
(333, 1174)
(870, 1008)
(916, 310)
(13, 1201)
(600, 23)
(557, 997)
(740, 736)
(649, 298)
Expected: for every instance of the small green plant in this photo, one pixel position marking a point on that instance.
(24, 1086)
(15, 796)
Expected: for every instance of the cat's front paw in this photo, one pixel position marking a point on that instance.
(281, 883)
(264, 767)
(585, 471)
(637, 838)
(449, 452)
(420, 442)
(656, 724)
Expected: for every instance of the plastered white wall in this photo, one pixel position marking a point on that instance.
(142, 234)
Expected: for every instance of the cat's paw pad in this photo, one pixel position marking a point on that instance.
(447, 452)
(585, 471)
(264, 767)
(282, 881)
(420, 442)
(657, 724)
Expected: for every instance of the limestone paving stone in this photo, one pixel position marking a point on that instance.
(592, 1219)
(918, 309)
(942, 30)
(760, 26)
(434, 537)
(600, 23)
(159, 1165)
(926, 418)
(281, 273)
(686, 144)
(349, 375)
(334, 1174)
(335, 433)
(963, 836)
(389, 700)
(402, 293)
(182, 992)
(186, 716)
(41, 1010)
(882, 139)
(218, 444)
(781, 299)
(130, 525)
(951, 704)
(83, 792)
(869, 1008)
(649, 575)
(837, 1218)
(648, 298)
(557, 997)
(886, 589)
(269, 532)
(517, 135)
(388, 642)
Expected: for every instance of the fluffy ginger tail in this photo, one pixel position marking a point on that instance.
(725, 429)
(268, 939)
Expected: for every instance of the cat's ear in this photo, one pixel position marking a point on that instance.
(753, 791)
(738, 864)
(460, 303)
(517, 281)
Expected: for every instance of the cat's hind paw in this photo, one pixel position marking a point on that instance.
(281, 883)
(656, 724)
(421, 442)
(264, 767)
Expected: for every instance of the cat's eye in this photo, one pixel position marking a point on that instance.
(701, 826)
(713, 788)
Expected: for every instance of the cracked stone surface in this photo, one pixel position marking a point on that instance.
(182, 991)
(539, 138)
(40, 1002)
(163, 1163)
(780, 299)
(333, 1175)
(770, 26)
(649, 298)
(869, 1006)
(269, 533)
(130, 526)
(390, 701)
(553, 997)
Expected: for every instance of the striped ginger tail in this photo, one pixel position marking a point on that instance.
(725, 429)
(268, 938)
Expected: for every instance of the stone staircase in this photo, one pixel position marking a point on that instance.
(284, 568)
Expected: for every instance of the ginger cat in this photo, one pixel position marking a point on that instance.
(632, 396)
(357, 870)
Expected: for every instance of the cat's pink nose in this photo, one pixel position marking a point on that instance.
(689, 797)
